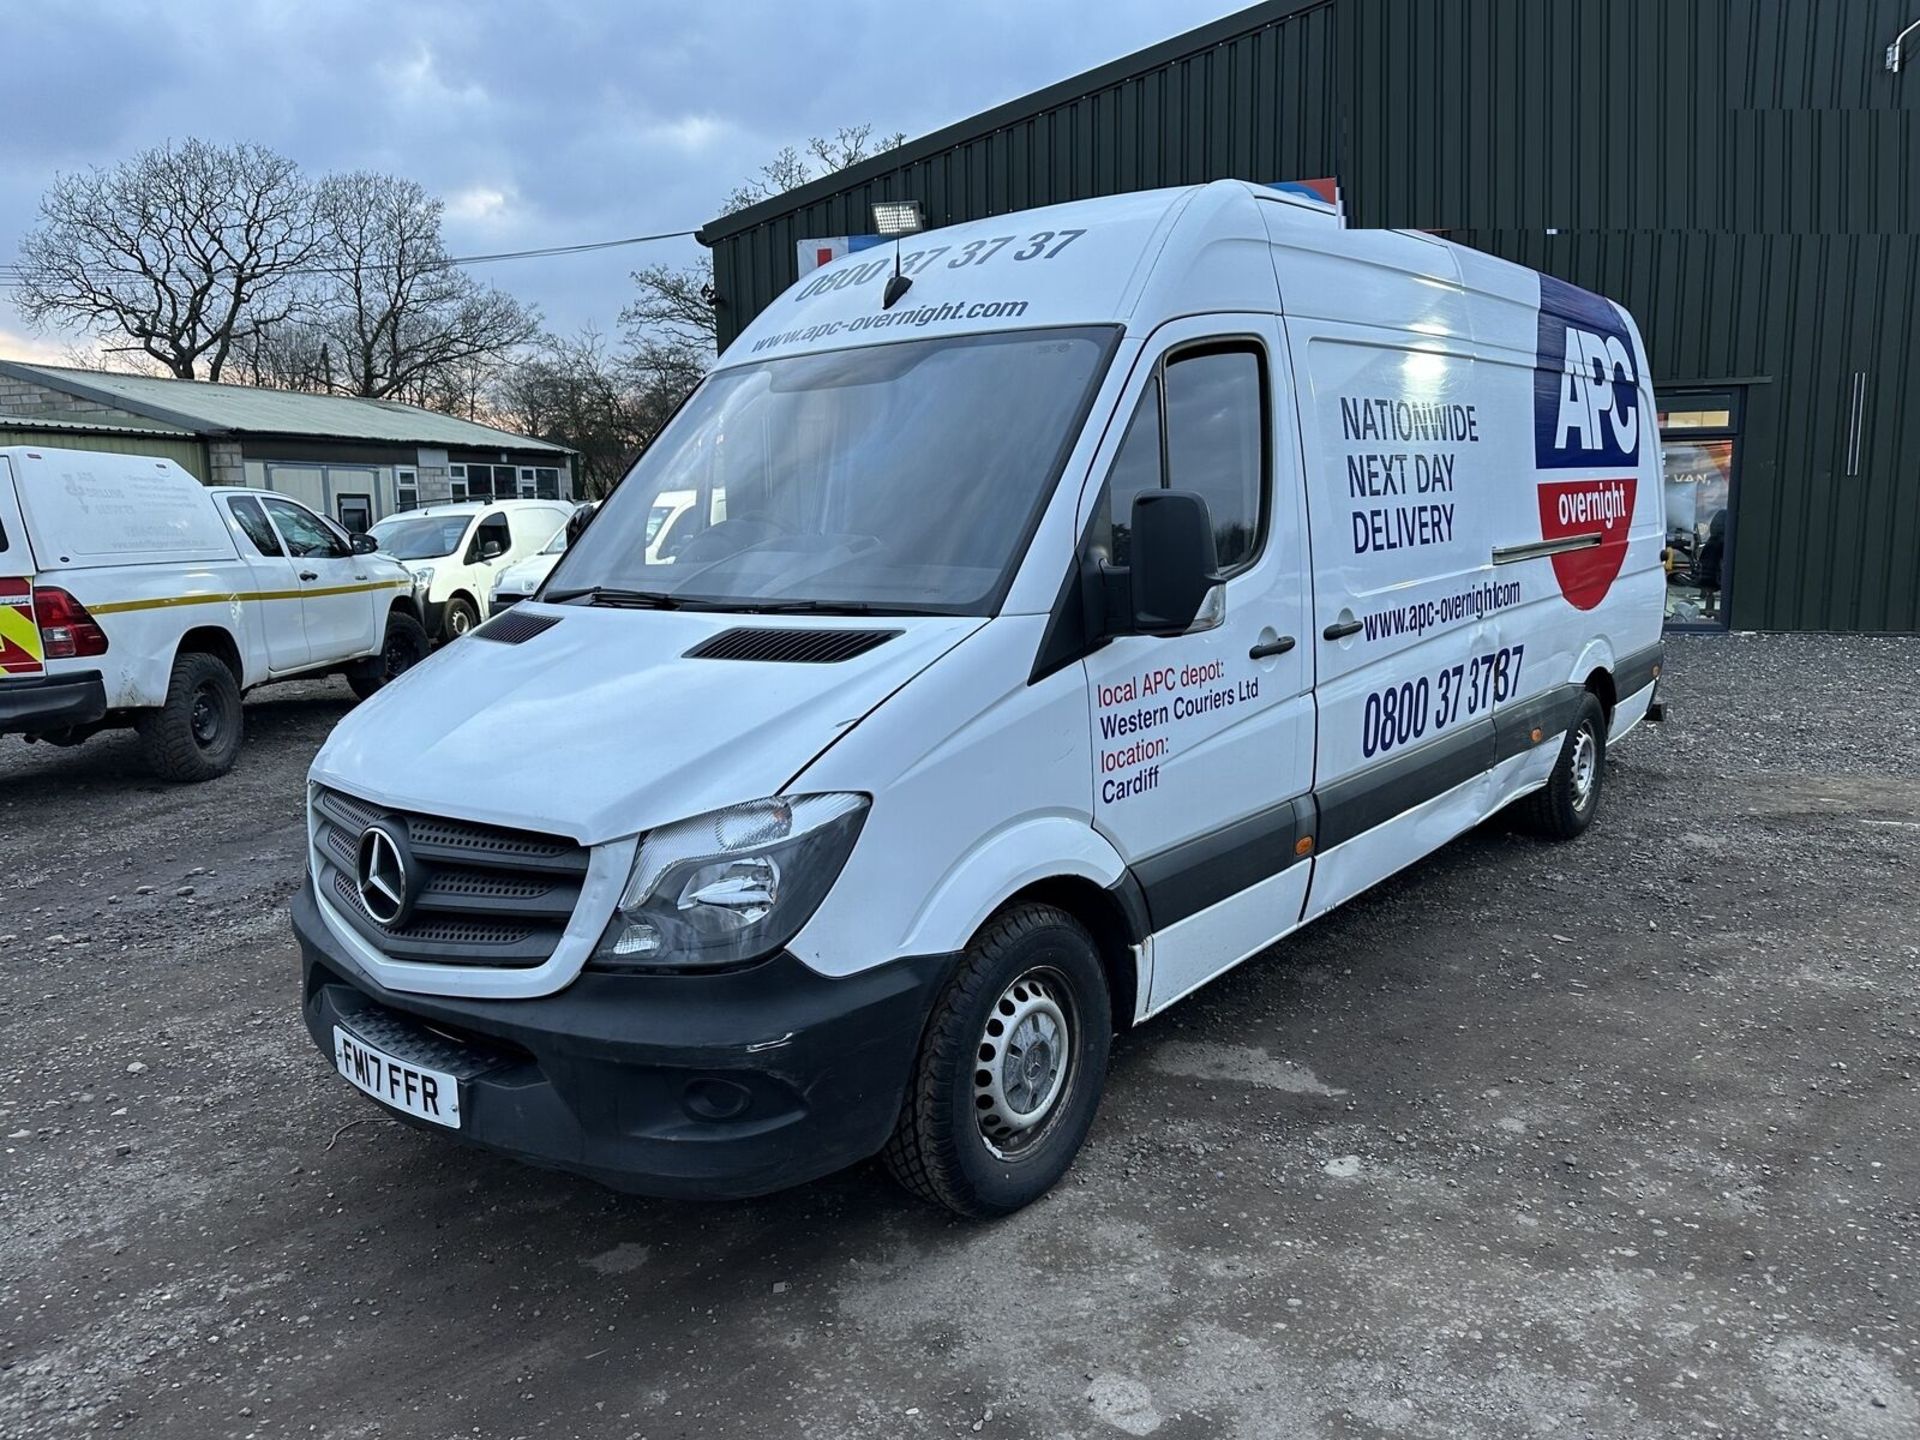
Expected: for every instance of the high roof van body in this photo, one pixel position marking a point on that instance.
(1155, 574)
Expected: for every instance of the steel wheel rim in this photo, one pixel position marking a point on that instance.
(204, 719)
(1586, 766)
(1024, 1062)
(399, 657)
(458, 623)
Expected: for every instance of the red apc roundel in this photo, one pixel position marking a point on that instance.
(1588, 507)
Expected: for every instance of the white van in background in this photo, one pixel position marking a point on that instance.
(133, 595)
(458, 549)
(1158, 573)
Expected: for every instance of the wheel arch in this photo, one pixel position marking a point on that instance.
(1117, 929)
(218, 641)
(1593, 671)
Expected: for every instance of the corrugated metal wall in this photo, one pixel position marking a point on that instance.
(1738, 173)
(190, 455)
(1259, 105)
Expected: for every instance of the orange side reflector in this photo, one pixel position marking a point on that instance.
(1303, 846)
(1537, 736)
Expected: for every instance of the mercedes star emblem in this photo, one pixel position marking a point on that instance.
(384, 881)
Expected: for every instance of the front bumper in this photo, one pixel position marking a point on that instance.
(694, 1086)
(49, 703)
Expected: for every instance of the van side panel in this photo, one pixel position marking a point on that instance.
(1485, 523)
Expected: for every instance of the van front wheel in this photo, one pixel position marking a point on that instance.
(1010, 1069)
(1571, 797)
(460, 618)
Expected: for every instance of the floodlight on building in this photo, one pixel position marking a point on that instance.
(896, 217)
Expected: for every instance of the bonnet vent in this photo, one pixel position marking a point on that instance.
(515, 627)
(789, 646)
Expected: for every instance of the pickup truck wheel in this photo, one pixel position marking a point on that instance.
(196, 734)
(1571, 797)
(406, 646)
(1010, 1067)
(461, 617)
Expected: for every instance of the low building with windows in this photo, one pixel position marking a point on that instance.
(351, 458)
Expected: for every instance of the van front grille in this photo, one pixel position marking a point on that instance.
(479, 894)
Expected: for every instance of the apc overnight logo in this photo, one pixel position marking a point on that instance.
(1586, 417)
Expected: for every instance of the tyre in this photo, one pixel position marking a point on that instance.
(406, 646)
(1571, 797)
(196, 734)
(1010, 1068)
(460, 618)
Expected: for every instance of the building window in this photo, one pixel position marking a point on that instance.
(1699, 442)
(457, 481)
(546, 483)
(355, 512)
(406, 489)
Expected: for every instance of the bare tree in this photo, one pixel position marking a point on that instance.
(571, 390)
(669, 324)
(185, 250)
(792, 168)
(399, 317)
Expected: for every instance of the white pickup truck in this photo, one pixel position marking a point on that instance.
(133, 595)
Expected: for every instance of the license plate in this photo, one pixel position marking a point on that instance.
(431, 1095)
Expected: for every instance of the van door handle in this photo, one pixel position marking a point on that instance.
(1341, 629)
(309, 575)
(1271, 648)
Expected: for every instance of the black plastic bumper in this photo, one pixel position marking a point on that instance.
(51, 702)
(694, 1086)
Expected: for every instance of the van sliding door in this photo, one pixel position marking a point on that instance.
(1401, 487)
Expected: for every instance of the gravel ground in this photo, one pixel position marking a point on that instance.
(1615, 1139)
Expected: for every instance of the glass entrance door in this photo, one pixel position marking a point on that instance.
(1700, 440)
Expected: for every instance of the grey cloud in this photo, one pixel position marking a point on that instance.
(593, 119)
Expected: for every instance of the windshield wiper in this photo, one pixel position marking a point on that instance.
(610, 595)
(827, 607)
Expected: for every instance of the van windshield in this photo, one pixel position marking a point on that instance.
(895, 478)
(420, 537)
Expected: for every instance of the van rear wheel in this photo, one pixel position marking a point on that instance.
(196, 734)
(1571, 798)
(1010, 1069)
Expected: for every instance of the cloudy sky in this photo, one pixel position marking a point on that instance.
(540, 124)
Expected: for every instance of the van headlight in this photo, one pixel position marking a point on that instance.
(730, 886)
(423, 578)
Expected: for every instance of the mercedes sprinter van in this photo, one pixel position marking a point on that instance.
(1050, 633)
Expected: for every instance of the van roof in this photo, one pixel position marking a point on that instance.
(1134, 259)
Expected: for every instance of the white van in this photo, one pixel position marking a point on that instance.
(1158, 573)
(457, 550)
(131, 594)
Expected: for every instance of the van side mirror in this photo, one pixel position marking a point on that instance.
(490, 550)
(365, 544)
(1174, 577)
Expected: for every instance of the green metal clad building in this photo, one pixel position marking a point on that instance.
(1741, 174)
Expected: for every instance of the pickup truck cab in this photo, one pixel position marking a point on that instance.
(1069, 607)
(133, 595)
(458, 550)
